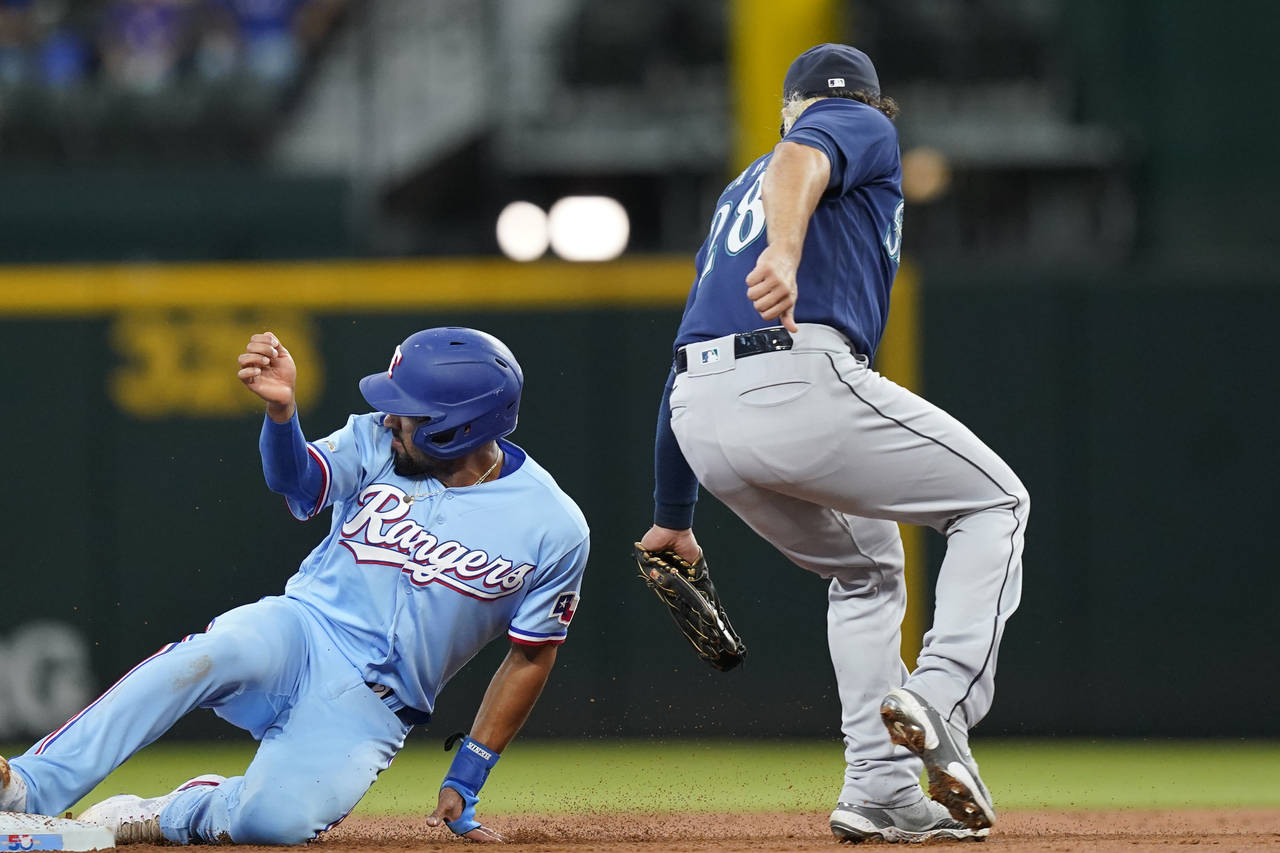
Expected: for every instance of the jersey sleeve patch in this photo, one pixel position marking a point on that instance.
(564, 608)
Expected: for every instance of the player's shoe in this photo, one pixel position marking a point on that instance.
(133, 820)
(953, 774)
(923, 820)
(13, 790)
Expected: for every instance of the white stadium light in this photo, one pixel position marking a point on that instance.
(522, 231)
(588, 228)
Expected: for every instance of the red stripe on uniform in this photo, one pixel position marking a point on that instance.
(325, 473)
(48, 741)
(549, 641)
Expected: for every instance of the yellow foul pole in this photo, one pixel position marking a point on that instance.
(765, 35)
(899, 359)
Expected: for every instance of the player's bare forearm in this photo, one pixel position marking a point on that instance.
(794, 181)
(512, 693)
(267, 369)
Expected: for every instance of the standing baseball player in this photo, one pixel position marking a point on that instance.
(773, 406)
(444, 537)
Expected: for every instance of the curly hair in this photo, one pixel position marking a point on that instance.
(794, 105)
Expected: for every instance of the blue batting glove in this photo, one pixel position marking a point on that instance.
(467, 820)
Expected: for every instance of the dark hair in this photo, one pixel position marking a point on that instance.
(884, 104)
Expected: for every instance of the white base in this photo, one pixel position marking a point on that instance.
(22, 832)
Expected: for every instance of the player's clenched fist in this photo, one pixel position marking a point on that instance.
(771, 286)
(267, 369)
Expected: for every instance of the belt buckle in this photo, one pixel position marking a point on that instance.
(774, 339)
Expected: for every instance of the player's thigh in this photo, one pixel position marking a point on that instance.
(257, 647)
(315, 764)
(819, 539)
(257, 653)
(894, 455)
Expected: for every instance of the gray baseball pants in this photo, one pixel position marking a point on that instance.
(821, 455)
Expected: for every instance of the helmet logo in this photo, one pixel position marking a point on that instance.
(395, 361)
(835, 82)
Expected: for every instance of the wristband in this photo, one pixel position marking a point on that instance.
(467, 775)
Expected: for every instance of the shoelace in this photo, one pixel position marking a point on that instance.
(142, 831)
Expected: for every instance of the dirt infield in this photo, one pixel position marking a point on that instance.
(1226, 830)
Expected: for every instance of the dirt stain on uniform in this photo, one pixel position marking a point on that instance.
(197, 671)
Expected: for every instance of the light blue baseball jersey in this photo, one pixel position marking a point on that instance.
(414, 579)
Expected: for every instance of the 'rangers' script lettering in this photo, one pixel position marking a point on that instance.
(391, 539)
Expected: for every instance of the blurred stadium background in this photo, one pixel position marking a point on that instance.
(1090, 283)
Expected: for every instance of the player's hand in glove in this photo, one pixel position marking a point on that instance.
(450, 808)
(267, 369)
(672, 565)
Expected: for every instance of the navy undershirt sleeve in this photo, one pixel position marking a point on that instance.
(676, 488)
(286, 464)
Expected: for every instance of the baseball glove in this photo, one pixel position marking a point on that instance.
(691, 597)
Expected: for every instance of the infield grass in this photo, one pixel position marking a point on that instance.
(550, 777)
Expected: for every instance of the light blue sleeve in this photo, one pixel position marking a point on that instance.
(545, 613)
(345, 456)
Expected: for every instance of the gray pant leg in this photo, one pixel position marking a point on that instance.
(927, 468)
(864, 619)
(866, 601)
(816, 424)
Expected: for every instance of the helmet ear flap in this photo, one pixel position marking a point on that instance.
(430, 441)
(422, 435)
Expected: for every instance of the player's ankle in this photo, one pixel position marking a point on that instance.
(13, 789)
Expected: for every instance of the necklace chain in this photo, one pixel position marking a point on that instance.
(416, 495)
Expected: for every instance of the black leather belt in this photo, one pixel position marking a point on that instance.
(775, 339)
(412, 716)
(407, 715)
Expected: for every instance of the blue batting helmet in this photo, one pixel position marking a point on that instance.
(465, 383)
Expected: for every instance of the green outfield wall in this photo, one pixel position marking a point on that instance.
(1139, 409)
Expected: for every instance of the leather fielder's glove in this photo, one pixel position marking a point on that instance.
(691, 597)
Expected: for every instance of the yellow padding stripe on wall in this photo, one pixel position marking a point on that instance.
(345, 285)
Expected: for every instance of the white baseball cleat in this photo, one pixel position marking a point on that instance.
(923, 820)
(953, 774)
(13, 789)
(133, 820)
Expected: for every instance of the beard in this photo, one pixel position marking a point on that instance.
(406, 466)
(422, 465)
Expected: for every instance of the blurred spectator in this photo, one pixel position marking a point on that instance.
(15, 41)
(144, 41)
(147, 46)
(269, 39)
(198, 77)
(64, 59)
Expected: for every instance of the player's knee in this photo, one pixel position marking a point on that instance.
(274, 820)
(1021, 500)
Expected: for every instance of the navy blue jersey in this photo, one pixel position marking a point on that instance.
(851, 249)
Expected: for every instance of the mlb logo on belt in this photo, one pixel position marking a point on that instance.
(710, 356)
